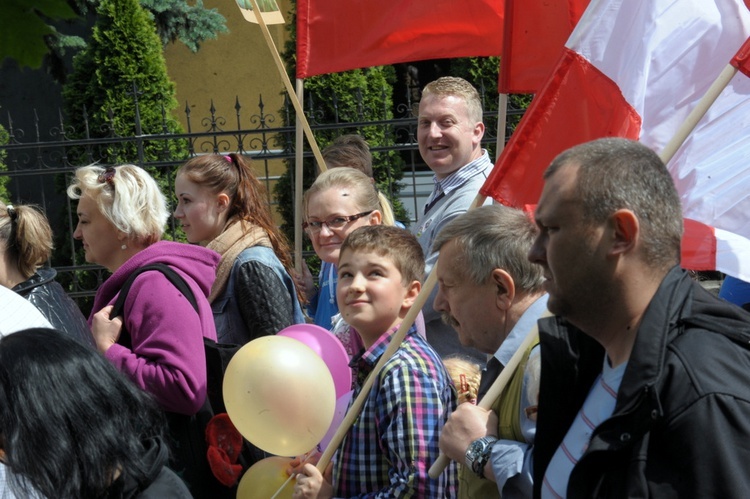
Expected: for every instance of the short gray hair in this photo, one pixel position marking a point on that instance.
(131, 201)
(492, 237)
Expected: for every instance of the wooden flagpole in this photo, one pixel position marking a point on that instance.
(698, 112)
(298, 178)
(289, 89)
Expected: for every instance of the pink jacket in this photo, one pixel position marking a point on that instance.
(167, 358)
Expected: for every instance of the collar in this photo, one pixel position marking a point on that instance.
(365, 361)
(458, 178)
(669, 305)
(521, 329)
(40, 277)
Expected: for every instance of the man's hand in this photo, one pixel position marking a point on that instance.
(467, 423)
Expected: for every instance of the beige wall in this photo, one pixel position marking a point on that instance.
(236, 64)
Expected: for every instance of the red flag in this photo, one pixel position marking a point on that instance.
(636, 68)
(337, 35)
(534, 35)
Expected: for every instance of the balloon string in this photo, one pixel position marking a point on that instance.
(284, 485)
(306, 457)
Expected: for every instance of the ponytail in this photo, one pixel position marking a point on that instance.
(27, 236)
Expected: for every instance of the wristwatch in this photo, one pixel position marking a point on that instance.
(478, 454)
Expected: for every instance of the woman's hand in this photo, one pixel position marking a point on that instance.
(106, 330)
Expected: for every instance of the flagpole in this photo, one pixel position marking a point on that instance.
(698, 112)
(288, 84)
(502, 120)
(298, 177)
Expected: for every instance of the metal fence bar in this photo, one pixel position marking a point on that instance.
(39, 168)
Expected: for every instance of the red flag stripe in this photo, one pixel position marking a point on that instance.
(517, 176)
(741, 59)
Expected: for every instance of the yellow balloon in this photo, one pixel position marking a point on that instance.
(280, 395)
(263, 479)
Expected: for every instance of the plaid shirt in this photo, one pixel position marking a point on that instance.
(394, 441)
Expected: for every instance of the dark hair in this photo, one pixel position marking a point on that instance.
(351, 151)
(616, 173)
(232, 175)
(68, 419)
(27, 237)
(398, 245)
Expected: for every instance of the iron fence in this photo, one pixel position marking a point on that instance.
(39, 160)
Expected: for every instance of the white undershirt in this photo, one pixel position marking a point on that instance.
(599, 405)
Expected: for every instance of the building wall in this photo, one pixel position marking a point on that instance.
(237, 64)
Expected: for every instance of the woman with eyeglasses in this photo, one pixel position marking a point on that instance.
(339, 201)
(25, 247)
(121, 219)
(222, 205)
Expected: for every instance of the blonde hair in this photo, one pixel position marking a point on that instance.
(26, 236)
(366, 195)
(468, 386)
(457, 87)
(131, 199)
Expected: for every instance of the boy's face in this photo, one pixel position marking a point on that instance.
(370, 294)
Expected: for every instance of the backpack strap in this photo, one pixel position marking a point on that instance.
(176, 279)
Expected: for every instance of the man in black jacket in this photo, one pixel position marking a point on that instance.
(645, 388)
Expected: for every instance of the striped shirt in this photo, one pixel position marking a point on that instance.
(456, 179)
(598, 406)
(394, 441)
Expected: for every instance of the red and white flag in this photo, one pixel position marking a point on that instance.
(339, 35)
(636, 69)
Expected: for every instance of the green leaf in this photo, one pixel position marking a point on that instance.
(22, 30)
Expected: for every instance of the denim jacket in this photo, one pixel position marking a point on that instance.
(260, 298)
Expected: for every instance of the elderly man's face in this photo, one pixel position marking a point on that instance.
(471, 309)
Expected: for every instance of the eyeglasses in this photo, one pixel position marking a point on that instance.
(334, 223)
(108, 176)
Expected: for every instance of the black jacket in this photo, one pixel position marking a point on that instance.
(681, 424)
(58, 308)
(161, 483)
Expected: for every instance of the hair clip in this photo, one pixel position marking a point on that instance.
(108, 176)
(228, 158)
(12, 213)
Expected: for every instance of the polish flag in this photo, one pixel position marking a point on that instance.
(636, 69)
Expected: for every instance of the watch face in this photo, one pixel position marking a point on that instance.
(474, 451)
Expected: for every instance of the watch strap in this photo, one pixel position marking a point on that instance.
(478, 454)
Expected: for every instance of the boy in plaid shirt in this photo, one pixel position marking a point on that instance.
(390, 447)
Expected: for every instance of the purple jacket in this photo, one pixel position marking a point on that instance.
(167, 358)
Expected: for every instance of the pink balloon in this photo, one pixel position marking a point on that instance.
(342, 404)
(329, 348)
